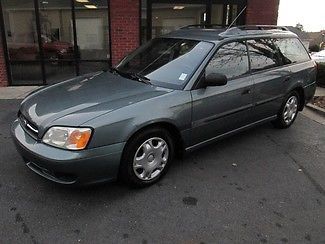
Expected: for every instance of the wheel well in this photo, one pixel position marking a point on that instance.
(301, 93)
(172, 129)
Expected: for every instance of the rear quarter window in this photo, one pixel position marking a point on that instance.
(292, 50)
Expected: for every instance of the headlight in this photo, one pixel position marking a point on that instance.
(67, 138)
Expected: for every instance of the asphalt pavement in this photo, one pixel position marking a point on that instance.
(261, 186)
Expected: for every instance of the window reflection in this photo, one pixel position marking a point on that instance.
(231, 60)
(56, 30)
(292, 50)
(264, 54)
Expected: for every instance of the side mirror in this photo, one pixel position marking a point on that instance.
(215, 79)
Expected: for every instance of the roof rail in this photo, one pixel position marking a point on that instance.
(241, 27)
(204, 26)
(262, 27)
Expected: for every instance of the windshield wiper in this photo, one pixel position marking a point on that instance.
(115, 71)
(134, 76)
(140, 78)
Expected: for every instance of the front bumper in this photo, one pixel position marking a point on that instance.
(83, 167)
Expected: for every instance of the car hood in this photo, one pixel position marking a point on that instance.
(79, 100)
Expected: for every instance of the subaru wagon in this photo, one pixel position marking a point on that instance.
(174, 94)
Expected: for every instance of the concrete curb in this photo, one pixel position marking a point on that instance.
(317, 109)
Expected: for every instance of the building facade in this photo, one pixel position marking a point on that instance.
(46, 41)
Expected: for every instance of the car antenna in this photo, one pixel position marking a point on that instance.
(234, 21)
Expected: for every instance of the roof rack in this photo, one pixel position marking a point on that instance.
(241, 27)
(204, 26)
(262, 27)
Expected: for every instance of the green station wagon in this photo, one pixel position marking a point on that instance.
(174, 94)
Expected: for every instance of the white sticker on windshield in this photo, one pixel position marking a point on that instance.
(182, 76)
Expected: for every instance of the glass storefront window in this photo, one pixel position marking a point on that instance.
(169, 17)
(217, 14)
(50, 25)
(92, 30)
(22, 41)
(225, 14)
(21, 34)
(57, 40)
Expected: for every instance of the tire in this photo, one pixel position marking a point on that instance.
(288, 111)
(145, 152)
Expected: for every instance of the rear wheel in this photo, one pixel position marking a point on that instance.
(147, 157)
(288, 112)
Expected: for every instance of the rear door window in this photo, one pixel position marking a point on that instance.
(292, 50)
(230, 60)
(264, 54)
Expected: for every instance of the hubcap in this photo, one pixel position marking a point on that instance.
(150, 159)
(290, 109)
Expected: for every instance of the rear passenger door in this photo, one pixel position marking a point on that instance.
(269, 76)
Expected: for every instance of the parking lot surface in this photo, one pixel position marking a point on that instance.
(260, 186)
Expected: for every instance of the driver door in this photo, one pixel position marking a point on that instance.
(221, 109)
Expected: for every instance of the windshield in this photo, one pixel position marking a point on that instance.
(167, 62)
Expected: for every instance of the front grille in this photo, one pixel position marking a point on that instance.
(28, 126)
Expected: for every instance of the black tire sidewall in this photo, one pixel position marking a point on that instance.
(126, 169)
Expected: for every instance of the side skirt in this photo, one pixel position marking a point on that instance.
(229, 133)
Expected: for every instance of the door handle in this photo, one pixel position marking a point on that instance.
(246, 91)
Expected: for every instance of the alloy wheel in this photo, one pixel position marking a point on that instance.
(290, 109)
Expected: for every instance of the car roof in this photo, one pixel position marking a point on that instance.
(217, 33)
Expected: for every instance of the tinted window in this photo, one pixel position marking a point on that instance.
(230, 60)
(292, 50)
(264, 54)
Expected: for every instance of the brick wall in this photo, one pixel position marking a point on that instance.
(3, 70)
(124, 27)
(262, 12)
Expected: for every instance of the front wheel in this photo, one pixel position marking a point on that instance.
(147, 157)
(288, 112)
